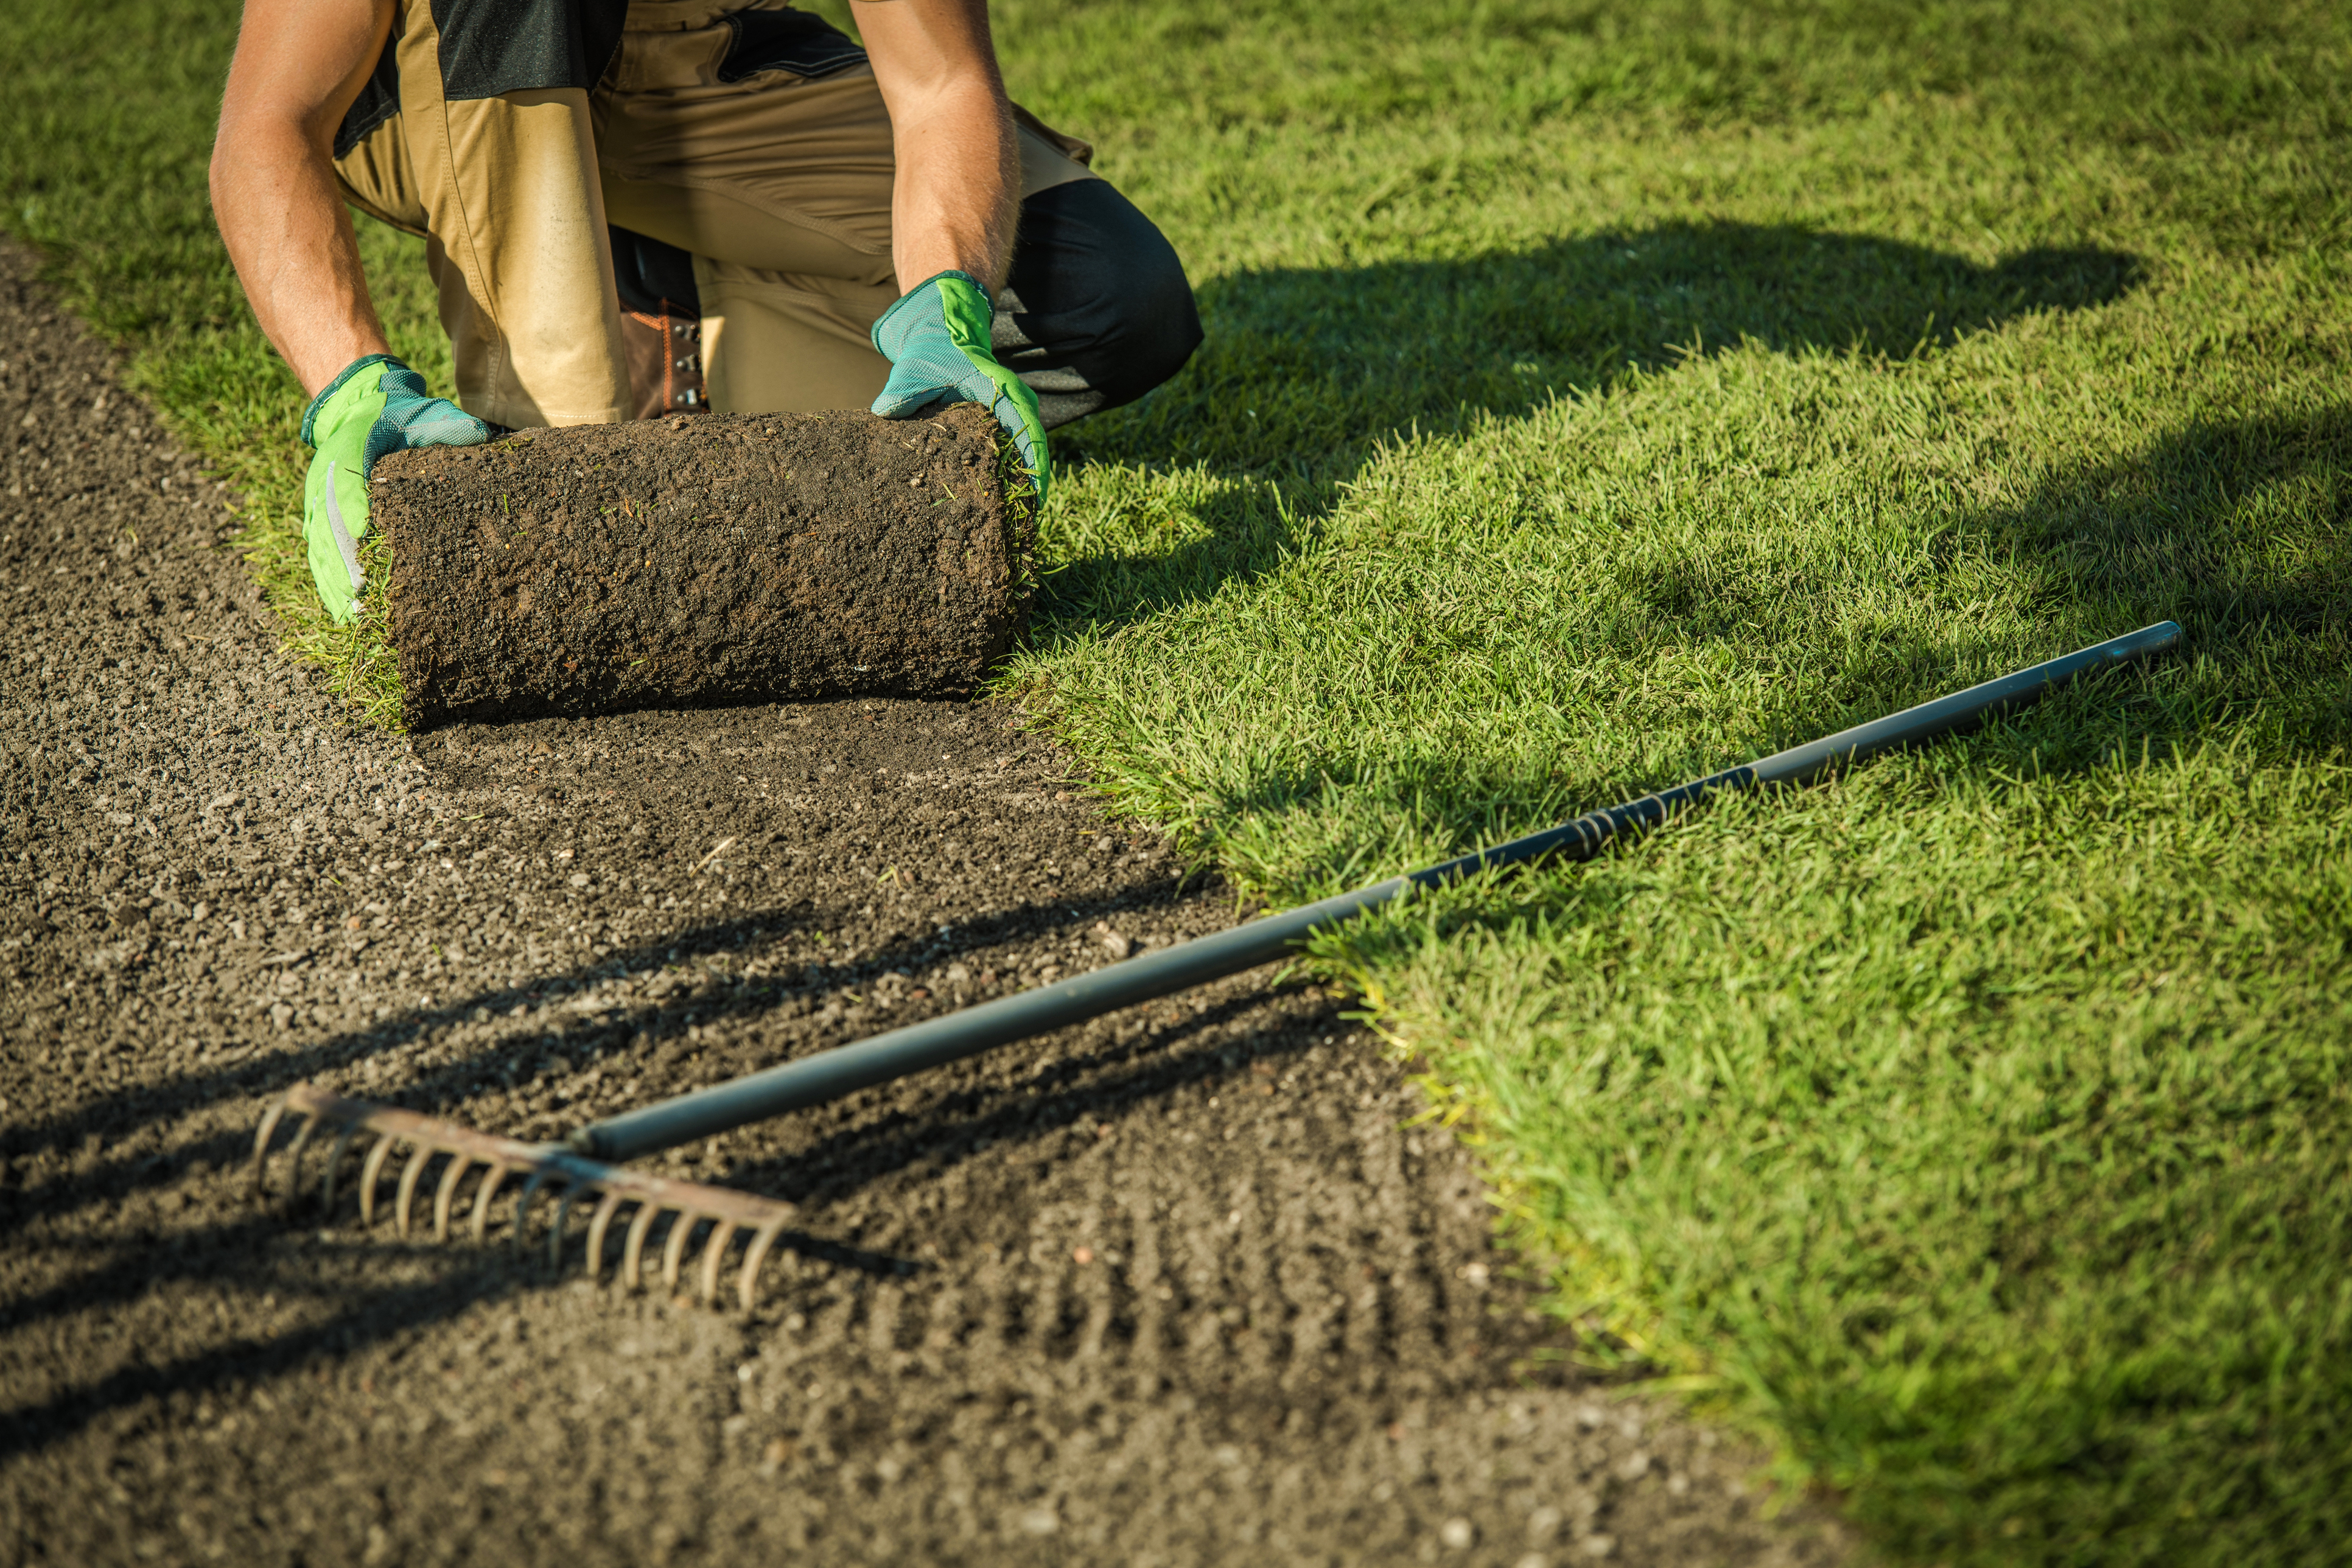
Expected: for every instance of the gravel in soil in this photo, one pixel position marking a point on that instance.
(1185, 1285)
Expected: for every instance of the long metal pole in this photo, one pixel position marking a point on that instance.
(829, 1075)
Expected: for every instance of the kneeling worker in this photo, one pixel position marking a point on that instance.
(607, 187)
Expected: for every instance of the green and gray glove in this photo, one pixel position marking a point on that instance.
(376, 406)
(937, 340)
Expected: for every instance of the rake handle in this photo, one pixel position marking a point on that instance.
(829, 1075)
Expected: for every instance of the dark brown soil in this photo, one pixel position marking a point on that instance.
(1186, 1286)
(691, 563)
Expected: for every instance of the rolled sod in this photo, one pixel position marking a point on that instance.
(698, 561)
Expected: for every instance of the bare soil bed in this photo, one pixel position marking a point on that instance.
(1187, 1285)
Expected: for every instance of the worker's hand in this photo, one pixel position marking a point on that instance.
(937, 339)
(376, 406)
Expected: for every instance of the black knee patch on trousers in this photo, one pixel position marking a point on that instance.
(1097, 311)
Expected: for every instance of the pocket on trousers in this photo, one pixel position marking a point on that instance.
(795, 41)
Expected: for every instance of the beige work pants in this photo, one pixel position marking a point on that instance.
(778, 185)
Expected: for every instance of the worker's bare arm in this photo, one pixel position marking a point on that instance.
(299, 66)
(959, 178)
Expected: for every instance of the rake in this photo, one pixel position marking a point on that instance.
(587, 1167)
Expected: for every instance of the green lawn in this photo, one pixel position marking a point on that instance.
(1596, 395)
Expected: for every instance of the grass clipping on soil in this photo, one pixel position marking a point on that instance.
(686, 563)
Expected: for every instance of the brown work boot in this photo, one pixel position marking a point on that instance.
(661, 325)
(665, 353)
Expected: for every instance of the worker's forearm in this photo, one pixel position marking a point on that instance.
(290, 238)
(959, 181)
(957, 186)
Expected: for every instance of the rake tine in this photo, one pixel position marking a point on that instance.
(343, 1141)
(746, 1283)
(269, 1121)
(675, 1253)
(408, 1175)
(555, 1232)
(722, 1231)
(446, 1194)
(371, 1172)
(337, 1124)
(294, 1158)
(523, 1209)
(597, 1223)
(493, 1178)
(632, 1251)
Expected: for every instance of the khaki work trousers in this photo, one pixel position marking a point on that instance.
(778, 185)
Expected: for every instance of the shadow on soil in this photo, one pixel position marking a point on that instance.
(441, 1089)
(1306, 370)
(1138, 1068)
(367, 1316)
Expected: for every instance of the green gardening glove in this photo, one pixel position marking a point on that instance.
(937, 340)
(376, 406)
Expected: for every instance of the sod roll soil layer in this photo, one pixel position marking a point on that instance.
(696, 563)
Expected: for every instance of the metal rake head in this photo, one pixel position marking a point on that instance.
(674, 1208)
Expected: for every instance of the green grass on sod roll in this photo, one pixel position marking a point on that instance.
(1599, 394)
